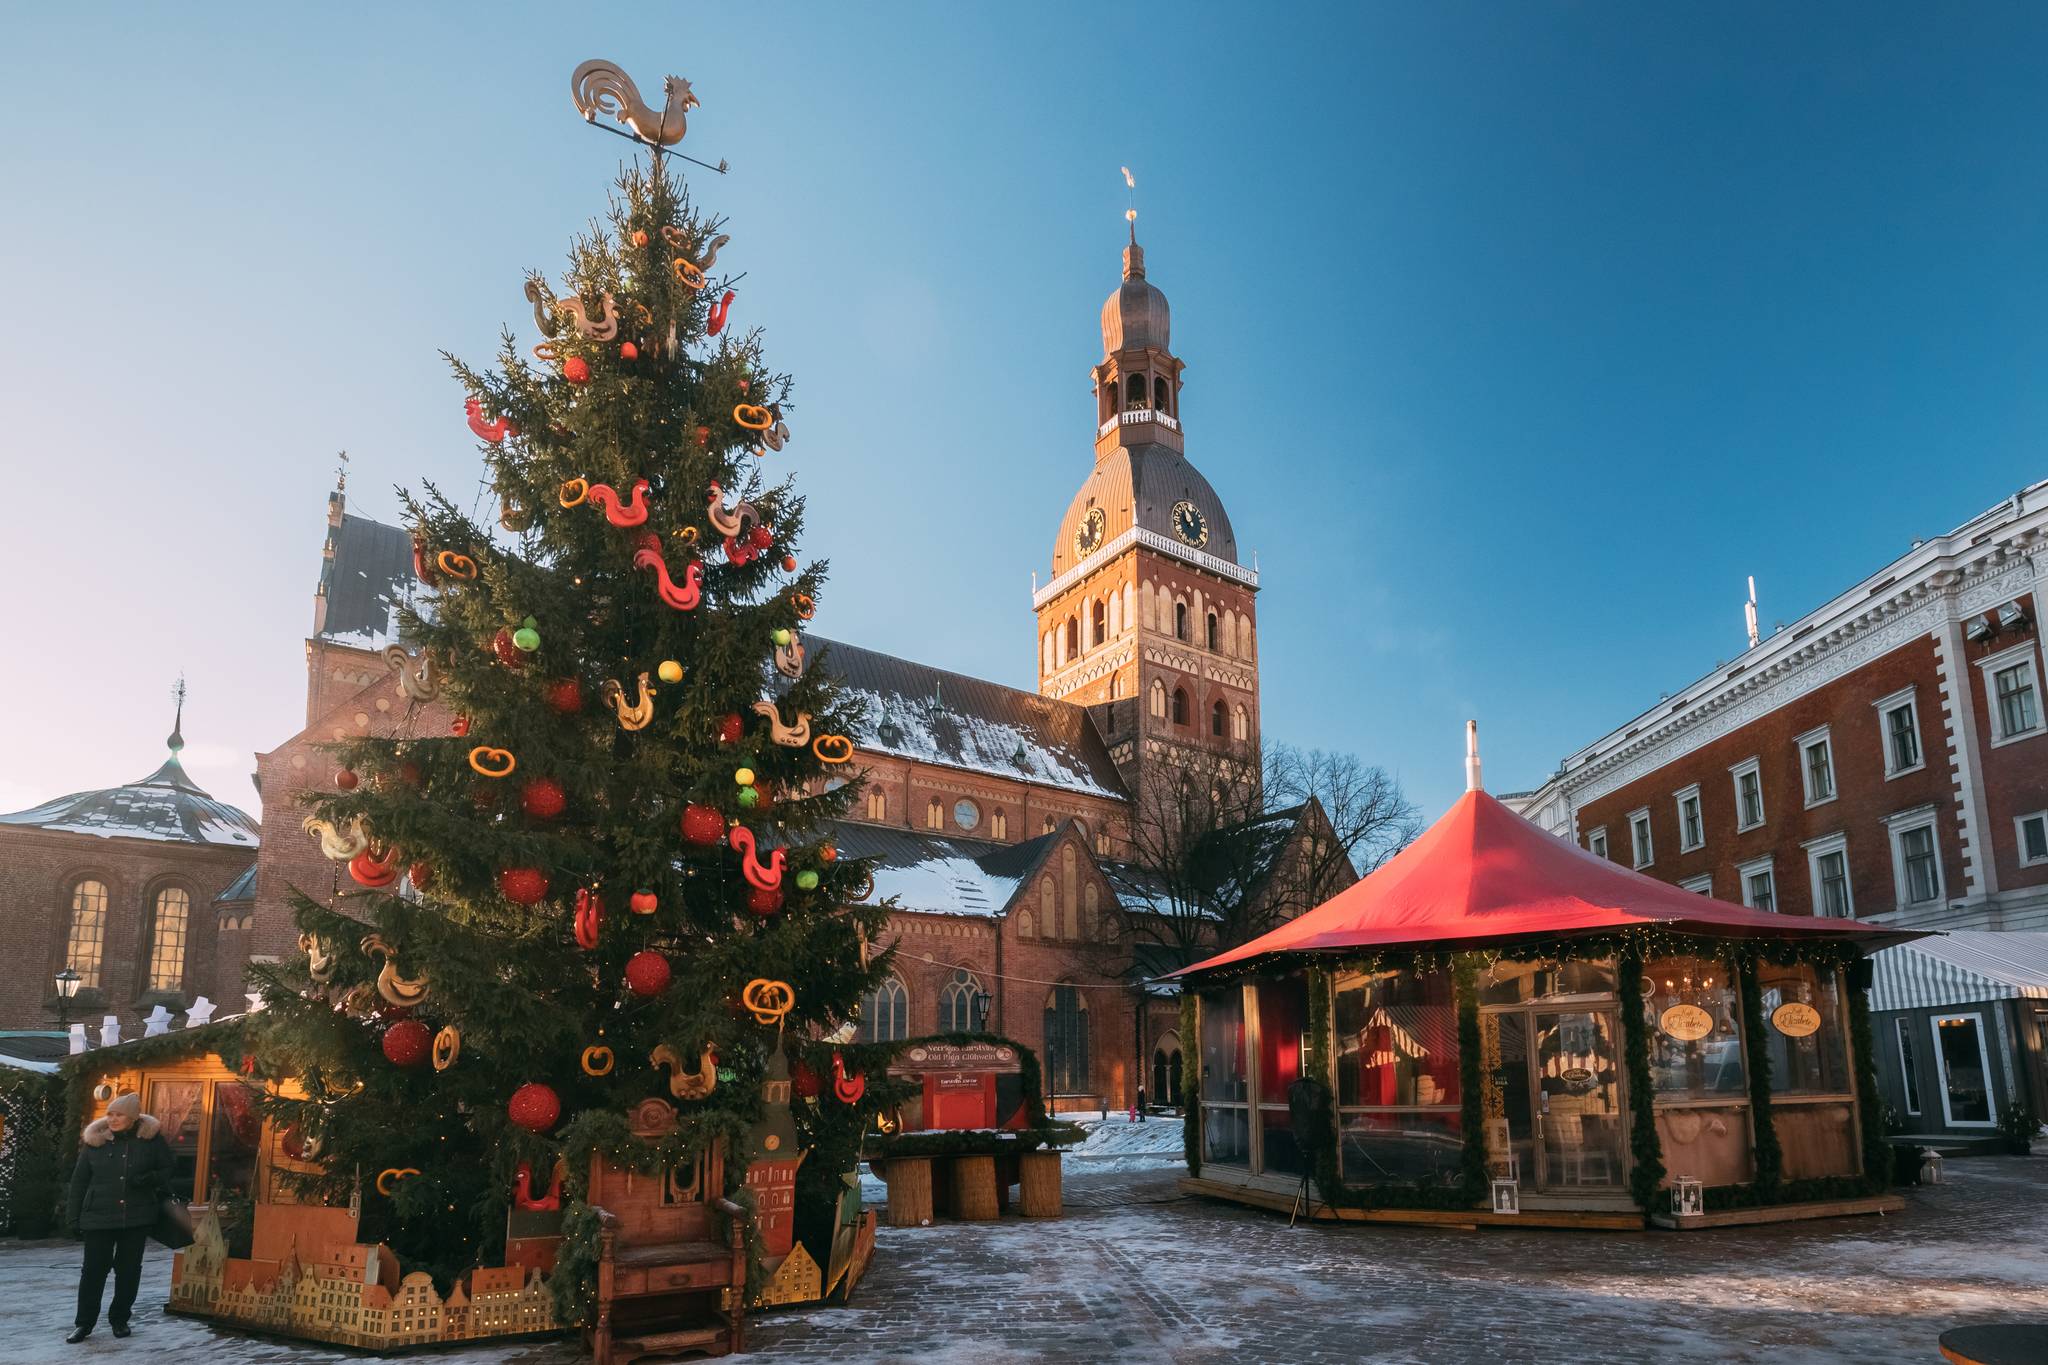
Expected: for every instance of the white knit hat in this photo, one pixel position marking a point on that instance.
(129, 1104)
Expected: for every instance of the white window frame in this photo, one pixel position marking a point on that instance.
(1702, 885)
(1642, 852)
(1902, 1035)
(1805, 744)
(1679, 799)
(1597, 836)
(2019, 656)
(1909, 699)
(2019, 834)
(1898, 826)
(1941, 1070)
(1816, 849)
(1768, 867)
(1749, 767)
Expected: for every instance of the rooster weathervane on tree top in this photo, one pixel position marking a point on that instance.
(601, 87)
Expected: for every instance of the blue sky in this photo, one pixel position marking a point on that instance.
(1517, 335)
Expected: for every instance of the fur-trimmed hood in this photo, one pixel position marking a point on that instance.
(99, 1132)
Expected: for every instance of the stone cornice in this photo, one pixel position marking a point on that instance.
(1151, 540)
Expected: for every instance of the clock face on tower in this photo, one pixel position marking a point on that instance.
(1088, 535)
(1189, 525)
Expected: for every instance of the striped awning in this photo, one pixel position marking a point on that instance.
(1957, 968)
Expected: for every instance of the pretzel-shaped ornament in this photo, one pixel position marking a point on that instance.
(456, 565)
(489, 762)
(768, 1001)
(573, 492)
(753, 417)
(388, 1179)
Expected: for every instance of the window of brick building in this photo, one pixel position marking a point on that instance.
(167, 939)
(956, 1003)
(1180, 706)
(1749, 794)
(1702, 885)
(1759, 884)
(1212, 631)
(2015, 694)
(1596, 842)
(934, 814)
(1156, 698)
(1218, 715)
(88, 931)
(1916, 856)
(998, 825)
(885, 1013)
(878, 806)
(1692, 828)
(2033, 838)
(1899, 719)
(1817, 765)
(1827, 867)
(1641, 851)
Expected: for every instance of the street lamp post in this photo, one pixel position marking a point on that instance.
(68, 983)
(982, 1000)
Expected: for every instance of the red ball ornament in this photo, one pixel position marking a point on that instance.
(804, 1081)
(421, 875)
(543, 798)
(764, 901)
(703, 826)
(731, 727)
(576, 370)
(524, 885)
(534, 1107)
(408, 1043)
(647, 973)
(762, 538)
(346, 779)
(460, 725)
(644, 903)
(509, 654)
(789, 563)
(703, 436)
(628, 351)
(565, 696)
(743, 386)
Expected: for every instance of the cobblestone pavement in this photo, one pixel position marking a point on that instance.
(1137, 1273)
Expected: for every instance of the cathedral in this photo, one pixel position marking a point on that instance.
(1001, 820)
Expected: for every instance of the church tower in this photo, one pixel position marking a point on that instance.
(1148, 619)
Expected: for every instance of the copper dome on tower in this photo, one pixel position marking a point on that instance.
(1136, 315)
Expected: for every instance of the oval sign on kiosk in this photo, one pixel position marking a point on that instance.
(1796, 1020)
(1686, 1023)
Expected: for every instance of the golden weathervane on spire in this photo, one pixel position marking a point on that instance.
(1131, 213)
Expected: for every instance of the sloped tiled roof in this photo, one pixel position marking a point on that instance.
(935, 716)
(941, 874)
(364, 578)
(166, 806)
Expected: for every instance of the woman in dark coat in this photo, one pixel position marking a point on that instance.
(117, 1191)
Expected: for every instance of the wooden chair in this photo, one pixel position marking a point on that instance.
(670, 1278)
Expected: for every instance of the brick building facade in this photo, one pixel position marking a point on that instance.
(999, 817)
(1885, 756)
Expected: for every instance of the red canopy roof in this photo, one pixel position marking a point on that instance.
(1483, 873)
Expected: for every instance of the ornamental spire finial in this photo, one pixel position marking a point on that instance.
(176, 741)
(1472, 783)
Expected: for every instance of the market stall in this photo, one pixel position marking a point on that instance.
(1500, 1026)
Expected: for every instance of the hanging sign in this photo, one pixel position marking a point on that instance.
(1686, 1023)
(1796, 1020)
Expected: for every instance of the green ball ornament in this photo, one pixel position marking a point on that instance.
(781, 636)
(749, 797)
(527, 637)
(807, 880)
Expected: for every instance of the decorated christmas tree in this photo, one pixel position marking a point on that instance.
(609, 878)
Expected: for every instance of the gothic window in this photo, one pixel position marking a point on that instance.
(1091, 906)
(956, 1003)
(1244, 638)
(999, 825)
(1165, 607)
(1216, 716)
(1102, 842)
(1050, 825)
(934, 814)
(1066, 1041)
(1144, 607)
(1159, 392)
(1240, 724)
(1027, 923)
(167, 938)
(885, 1013)
(1069, 886)
(1073, 638)
(1229, 631)
(1048, 915)
(1157, 700)
(1134, 392)
(878, 806)
(1180, 620)
(1045, 651)
(88, 931)
(1101, 613)
(1212, 640)
(1130, 598)
(1116, 612)
(1180, 706)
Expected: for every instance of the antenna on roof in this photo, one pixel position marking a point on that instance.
(1749, 612)
(1472, 783)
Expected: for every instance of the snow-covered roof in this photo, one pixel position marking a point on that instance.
(365, 575)
(166, 806)
(942, 875)
(934, 716)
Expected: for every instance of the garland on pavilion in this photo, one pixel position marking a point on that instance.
(1644, 1143)
(1316, 1048)
(1473, 1175)
(1769, 1157)
(1190, 1083)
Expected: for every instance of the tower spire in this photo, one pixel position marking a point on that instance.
(176, 739)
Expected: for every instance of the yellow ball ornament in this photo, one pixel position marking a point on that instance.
(745, 777)
(670, 671)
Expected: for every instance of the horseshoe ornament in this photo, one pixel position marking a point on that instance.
(682, 596)
(791, 736)
(418, 678)
(636, 715)
(631, 512)
(761, 876)
(604, 329)
(543, 312)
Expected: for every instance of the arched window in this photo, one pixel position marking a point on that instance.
(1157, 702)
(885, 1012)
(1066, 1041)
(934, 814)
(1244, 638)
(167, 939)
(999, 825)
(1213, 642)
(1216, 716)
(1240, 724)
(1045, 653)
(1165, 607)
(1159, 392)
(1048, 915)
(1180, 706)
(1071, 890)
(1091, 906)
(1116, 612)
(1166, 1070)
(1134, 392)
(1180, 620)
(956, 1003)
(878, 805)
(1102, 842)
(1229, 645)
(1073, 638)
(1050, 825)
(1101, 613)
(88, 931)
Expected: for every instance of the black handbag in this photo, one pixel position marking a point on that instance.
(173, 1226)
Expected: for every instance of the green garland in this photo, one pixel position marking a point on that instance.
(1644, 1143)
(1317, 1044)
(32, 1102)
(1473, 1177)
(973, 1141)
(1191, 1083)
(1770, 1159)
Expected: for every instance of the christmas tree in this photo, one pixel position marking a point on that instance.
(611, 881)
